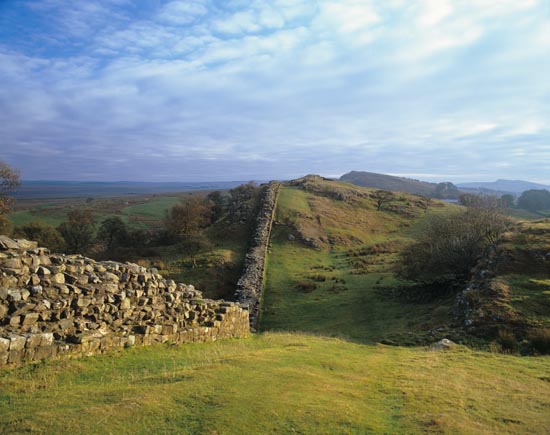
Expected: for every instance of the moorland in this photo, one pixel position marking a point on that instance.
(345, 341)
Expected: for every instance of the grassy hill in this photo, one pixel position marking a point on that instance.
(330, 266)
(389, 182)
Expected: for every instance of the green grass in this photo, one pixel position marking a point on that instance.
(153, 209)
(139, 212)
(24, 217)
(519, 213)
(531, 298)
(355, 298)
(279, 384)
(356, 309)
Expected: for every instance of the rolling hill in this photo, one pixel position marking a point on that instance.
(401, 184)
(505, 186)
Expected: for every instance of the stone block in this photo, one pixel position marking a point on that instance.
(16, 357)
(33, 340)
(30, 319)
(169, 329)
(7, 243)
(44, 352)
(4, 344)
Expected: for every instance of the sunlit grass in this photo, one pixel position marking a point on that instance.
(279, 384)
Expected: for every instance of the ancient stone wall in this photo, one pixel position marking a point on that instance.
(53, 305)
(250, 285)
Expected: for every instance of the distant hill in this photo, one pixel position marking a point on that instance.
(509, 186)
(401, 184)
(31, 189)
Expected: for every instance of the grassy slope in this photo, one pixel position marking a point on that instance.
(527, 279)
(280, 384)
(351, 301)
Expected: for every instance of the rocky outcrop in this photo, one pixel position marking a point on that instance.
(55, 304)
(250, 285)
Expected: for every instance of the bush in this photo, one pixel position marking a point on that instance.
(540, 340)
(451, 245)
(508, 341)
(46, 235)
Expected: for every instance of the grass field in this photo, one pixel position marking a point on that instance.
(139, 212)
(346, 289)
(280, 384)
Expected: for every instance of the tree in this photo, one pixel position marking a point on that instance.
(473, 200)
(450, 245)
(220, 204)
(192, 245)
(534, 200)
(446, 190)
(113, 233)
(9, 180)
(507, 201)
(382, 197)
(46, 235)
(78, 231)
(187, 219)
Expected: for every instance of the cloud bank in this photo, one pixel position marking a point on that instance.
(224, 90)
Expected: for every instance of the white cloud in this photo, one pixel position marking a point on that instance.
(182, 12)
(401, 86)
(433, 12)
(346, 16)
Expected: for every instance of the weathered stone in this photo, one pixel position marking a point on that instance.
(12, 263)
(4, 344)
(17, 342)
(46, 297)
(43, 271)
(125, 304)
(15, 357)
(26, 245)
(58, 278)
(7, 243)
(30, 319)
(111, 287)
(15, 320)
(110, 277)
(443, 344)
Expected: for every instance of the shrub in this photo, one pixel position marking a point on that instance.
(540, 340)
(306, 286)
(451, 245)
(507, 340)
(46, 235)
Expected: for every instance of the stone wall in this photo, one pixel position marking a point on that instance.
(250, 285)
(53, 305)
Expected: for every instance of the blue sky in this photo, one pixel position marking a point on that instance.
(235, 90)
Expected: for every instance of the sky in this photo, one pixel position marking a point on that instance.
(218, 90)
